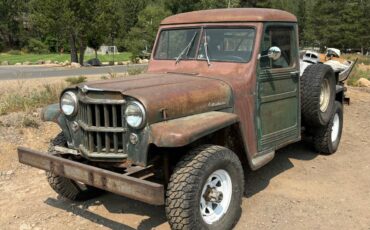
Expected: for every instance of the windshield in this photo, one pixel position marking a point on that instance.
(179, 43)
(216, 44)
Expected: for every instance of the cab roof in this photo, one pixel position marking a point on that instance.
(230, 15)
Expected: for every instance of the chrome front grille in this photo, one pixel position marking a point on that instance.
(103, 128)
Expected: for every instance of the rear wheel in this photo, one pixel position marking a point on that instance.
(326, 138)
(65, 187)
(205, 190)
(317, 94)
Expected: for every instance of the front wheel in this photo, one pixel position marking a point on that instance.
(205, 190)
(67, 188)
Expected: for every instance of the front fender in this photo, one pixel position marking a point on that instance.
(182, 131)
(54, 114)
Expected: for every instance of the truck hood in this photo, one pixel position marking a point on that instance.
(169, 96)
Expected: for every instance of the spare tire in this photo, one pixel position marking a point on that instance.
(317, 95)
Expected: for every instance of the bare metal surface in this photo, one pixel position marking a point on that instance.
(131, 187)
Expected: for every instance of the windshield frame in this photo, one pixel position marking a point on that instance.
(198, 43)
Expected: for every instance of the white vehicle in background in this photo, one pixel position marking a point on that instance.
(342, 67)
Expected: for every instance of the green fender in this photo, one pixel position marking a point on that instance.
(54, 114)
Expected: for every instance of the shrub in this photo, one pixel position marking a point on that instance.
(14, 52)
(2, 46)
(76, 80)
(30, 122)
(36, 46)
(30, 99)
(135, 70)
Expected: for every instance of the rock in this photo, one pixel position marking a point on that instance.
(48, 62)
(4, 63)
(363, 82)
(27, 63)
(10, 172)
(18, 63)
(145, 60)
(40, 62)
(25, 227)
(75, 65)
(94, 62)
(56, 62)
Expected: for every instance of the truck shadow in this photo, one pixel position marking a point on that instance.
(255, 182)
(114, 204)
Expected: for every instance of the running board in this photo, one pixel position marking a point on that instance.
(262, 158)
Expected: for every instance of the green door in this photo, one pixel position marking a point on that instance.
(278, 116)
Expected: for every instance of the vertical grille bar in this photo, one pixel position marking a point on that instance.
(89, 122)
(97, 122)
(115, 135)
(123, 122)
(106, 124)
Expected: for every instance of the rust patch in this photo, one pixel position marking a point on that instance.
(230, 15)
(139, 189)
(182, 131)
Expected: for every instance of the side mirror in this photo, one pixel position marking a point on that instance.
(274, 53)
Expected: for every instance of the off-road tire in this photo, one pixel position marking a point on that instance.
(187, 181)
(322, 136)
(65, 187)
(311, 82)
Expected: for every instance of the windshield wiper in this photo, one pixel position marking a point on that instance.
(206, 47)
(187, 48)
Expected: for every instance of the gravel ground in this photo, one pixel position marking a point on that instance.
(299, 189)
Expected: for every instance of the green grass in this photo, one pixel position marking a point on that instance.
(362, 59)
(33, 58)
(76, 80)
(356, 74)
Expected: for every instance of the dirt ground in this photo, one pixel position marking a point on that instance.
(299, 189)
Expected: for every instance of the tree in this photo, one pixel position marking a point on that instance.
(212, 4)
(142, 35)
(12, 31)
(78, 21)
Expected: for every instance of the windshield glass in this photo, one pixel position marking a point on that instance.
(179, 43)
(223, 44)
(229, 45)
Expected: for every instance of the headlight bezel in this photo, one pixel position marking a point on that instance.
(142, 111)
(75, 103)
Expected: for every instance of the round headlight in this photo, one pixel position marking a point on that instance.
(68, 103)
(135, 115)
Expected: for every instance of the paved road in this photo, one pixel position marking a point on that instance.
(30, 72)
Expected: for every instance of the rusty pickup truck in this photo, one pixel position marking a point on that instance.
(223, 91)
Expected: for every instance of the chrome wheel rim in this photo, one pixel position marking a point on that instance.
(335, 128)
(216, 196)
(324, 95)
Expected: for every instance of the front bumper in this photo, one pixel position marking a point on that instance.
(122, 184)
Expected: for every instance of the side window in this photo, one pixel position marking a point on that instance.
(282, 37)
